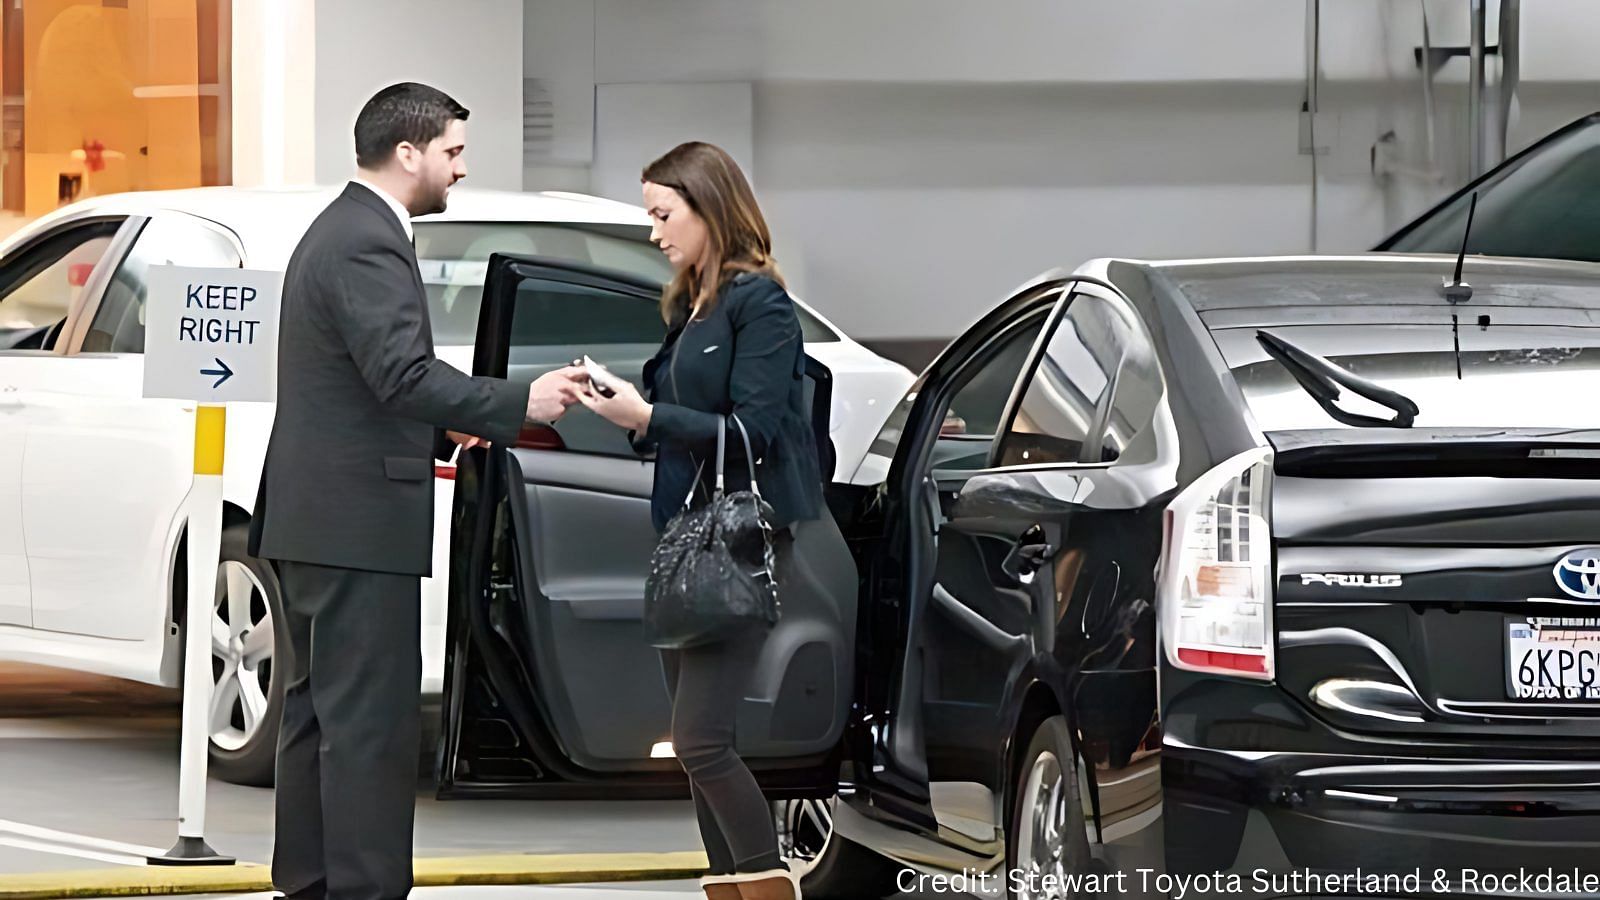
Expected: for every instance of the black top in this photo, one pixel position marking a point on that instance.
(745, 357)
(348, 479)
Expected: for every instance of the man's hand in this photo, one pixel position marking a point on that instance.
(466, 441)
(551, 394)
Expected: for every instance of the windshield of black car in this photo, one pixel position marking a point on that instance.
(1512, 376)
(1545, 205)
(454, 260)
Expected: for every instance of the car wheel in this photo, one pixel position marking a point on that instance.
(831, 867)
(249, 665)
(1047, 843)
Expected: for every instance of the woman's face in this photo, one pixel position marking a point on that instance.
(676, 229)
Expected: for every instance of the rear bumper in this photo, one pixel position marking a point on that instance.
(1334, 802)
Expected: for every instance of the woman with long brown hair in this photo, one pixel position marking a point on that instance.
(734, 349)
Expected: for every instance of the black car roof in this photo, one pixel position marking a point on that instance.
(1379, 288)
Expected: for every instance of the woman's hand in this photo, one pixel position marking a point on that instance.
(627, 409)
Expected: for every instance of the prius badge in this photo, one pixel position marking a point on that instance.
(1578, 573)
(1332, 579)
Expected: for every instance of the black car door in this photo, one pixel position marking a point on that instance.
(1044, 574)
(929, 694)
(550, 686)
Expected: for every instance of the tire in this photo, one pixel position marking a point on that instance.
(1047, 834)
(831, 867)
(250, 669)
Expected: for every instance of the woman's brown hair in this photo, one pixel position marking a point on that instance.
(708, 179)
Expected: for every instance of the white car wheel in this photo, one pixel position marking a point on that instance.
(249, 665)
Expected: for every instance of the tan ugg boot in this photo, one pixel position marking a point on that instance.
(773, 884)
(716, 891)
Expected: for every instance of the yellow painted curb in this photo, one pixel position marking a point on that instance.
(502, 868)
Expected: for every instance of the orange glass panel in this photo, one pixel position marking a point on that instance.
(122, 95)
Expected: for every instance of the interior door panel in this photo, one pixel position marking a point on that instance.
(584, 541)
(585, 536)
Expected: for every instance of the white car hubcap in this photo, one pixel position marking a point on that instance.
(241, 656)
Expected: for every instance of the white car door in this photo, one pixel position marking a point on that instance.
(106, 471)
(14, 604)
(42, 280)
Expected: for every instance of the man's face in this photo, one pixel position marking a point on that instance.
(438, 166)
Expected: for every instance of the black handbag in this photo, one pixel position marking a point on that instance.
(712, 574)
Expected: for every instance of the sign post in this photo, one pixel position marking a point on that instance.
(211, 336)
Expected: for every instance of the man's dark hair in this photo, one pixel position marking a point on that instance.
(409, 112)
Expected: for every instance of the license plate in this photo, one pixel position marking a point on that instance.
(1550, 658)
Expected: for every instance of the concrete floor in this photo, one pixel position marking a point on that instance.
(648, 891)
(97, 758)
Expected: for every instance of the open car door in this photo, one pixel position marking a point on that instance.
(550, 687)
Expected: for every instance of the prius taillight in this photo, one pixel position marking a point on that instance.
(1216, 574)
(540, 437)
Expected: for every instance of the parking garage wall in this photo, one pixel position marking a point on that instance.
(918, 158)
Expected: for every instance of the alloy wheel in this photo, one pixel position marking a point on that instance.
(1046, 816)
(241, 656)
(804, 829)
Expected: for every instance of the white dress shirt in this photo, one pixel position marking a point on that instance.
(399, 208)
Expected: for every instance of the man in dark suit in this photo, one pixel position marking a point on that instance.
(346, 500)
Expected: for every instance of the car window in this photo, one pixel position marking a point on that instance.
(454, 260)
(168, 239)
(553, 322)
(968, 425)
(1135, 399)
(980, 402)
(40, 282)
(1066, 393)
(1542, 205)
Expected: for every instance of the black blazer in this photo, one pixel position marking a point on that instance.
(348, 479)
(745, 357)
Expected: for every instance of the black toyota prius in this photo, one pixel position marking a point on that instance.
(1216, 568)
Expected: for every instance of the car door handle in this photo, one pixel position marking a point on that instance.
(987, 633)
(1028, 555)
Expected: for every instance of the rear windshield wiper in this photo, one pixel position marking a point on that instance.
(1322, 379)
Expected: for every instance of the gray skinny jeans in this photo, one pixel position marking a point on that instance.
(706, 684)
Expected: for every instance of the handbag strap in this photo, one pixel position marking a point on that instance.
(722, 447)
(749, 458)
(722, 454)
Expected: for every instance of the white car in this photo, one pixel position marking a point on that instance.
(93, 477)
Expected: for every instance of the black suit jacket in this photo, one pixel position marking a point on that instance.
(745, 357)
(348, 480)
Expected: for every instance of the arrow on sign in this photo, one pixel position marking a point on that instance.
(222, 370)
